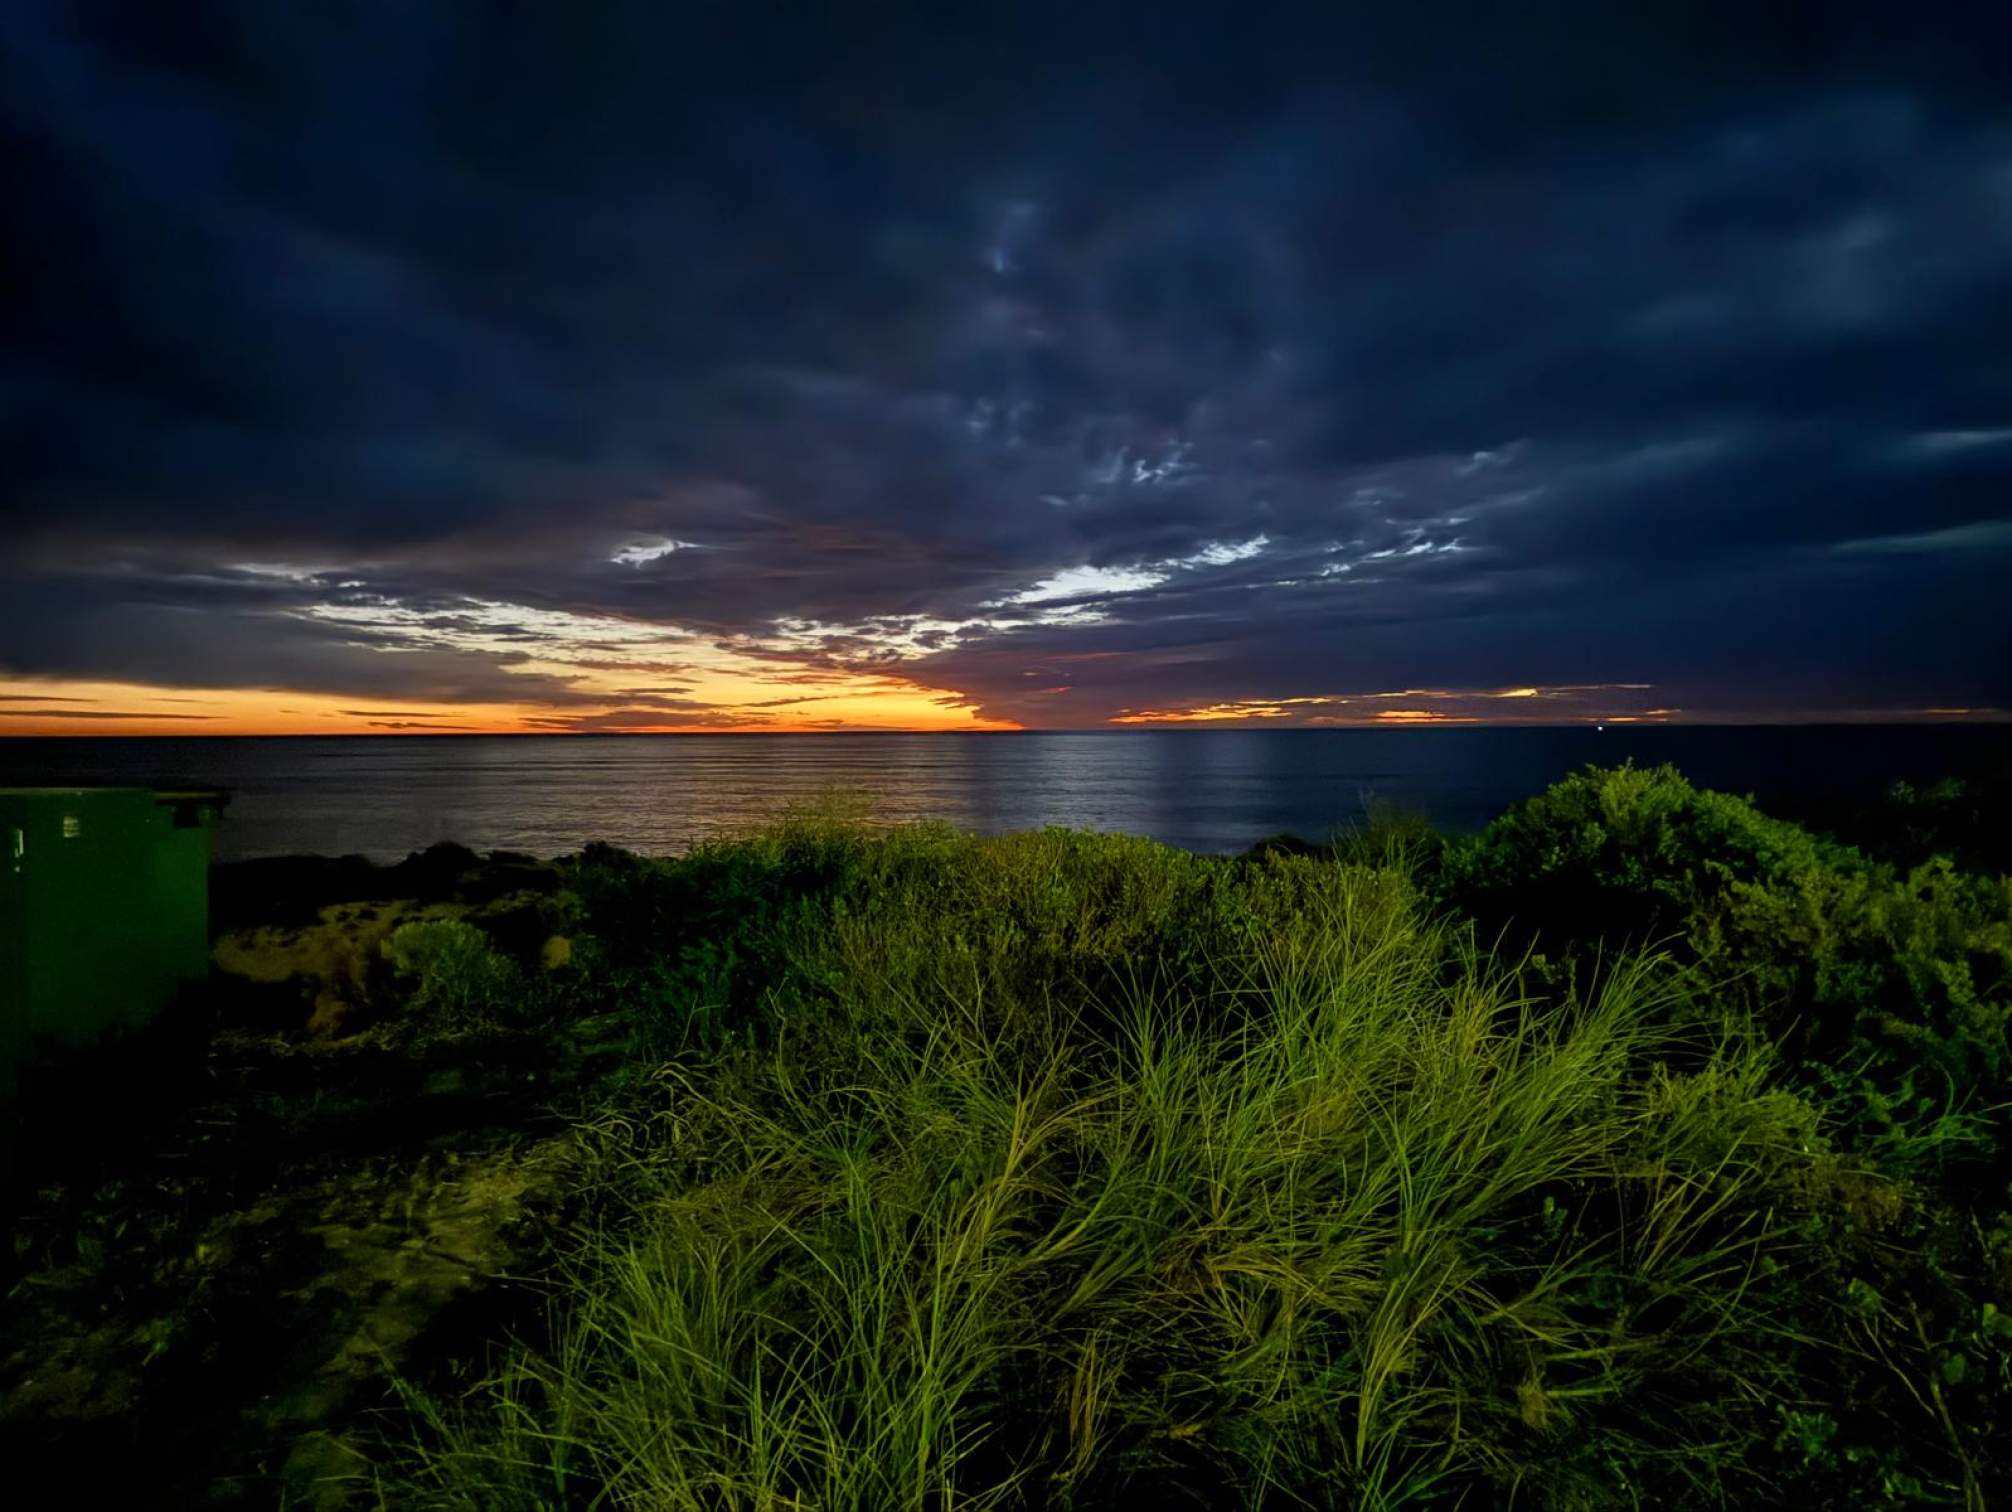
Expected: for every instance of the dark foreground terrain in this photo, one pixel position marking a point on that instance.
(1642, 1150)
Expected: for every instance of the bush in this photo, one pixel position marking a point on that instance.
(1908, 985)
(719, 944)
(463, 982)
(1623, 853)
(1891, 993)
(1894, 990)
(1967, 819)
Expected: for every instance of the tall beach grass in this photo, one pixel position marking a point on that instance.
(1063, 1170)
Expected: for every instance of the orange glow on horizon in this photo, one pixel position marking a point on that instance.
(786, 700)
(1557, 707)
(1533, 704)
(90, 709)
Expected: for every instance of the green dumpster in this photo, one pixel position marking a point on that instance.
(104, 912)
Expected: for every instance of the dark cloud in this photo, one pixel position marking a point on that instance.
(92, 714)
(612, 721)
(1243, 353)
(123, 629)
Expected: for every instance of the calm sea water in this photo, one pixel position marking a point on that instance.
(1211, 790)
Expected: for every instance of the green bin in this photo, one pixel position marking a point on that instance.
(104, 913)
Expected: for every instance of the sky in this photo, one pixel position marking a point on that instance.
(389, 367)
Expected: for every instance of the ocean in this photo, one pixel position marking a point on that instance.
(1207, 790)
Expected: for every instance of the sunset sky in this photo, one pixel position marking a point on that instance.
(661, 367)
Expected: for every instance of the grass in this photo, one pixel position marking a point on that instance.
(1641, 1151)
(1063, 1170)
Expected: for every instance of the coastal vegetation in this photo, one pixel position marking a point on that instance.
(1642, 1149)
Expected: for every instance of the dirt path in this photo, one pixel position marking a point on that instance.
(207, 1313)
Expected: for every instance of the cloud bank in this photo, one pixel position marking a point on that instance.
(646, 369)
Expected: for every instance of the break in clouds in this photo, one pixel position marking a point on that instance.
(652, 368)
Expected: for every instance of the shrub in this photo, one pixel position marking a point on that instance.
(1894, 990)
(1968, 819)
(463, 982)
(1907, 982)
(716, 944)
(1624, 853)
(1891, 993)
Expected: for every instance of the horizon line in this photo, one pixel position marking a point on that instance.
(1991, 719)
